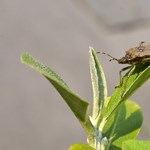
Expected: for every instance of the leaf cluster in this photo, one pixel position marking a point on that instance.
(115, 121)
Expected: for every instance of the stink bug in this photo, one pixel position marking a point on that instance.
(133, 56)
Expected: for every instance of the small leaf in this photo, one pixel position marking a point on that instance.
(138, 77)
(123, 125)
(78, 106)
(81, 147)
(143, 74)
(136, 145)
(98, 83)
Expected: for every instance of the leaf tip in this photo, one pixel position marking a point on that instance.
(91, 51)
(91, 48)
(24, 57)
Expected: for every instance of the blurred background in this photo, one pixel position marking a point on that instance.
(58, 33)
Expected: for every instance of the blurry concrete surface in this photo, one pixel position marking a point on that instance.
(58, 33)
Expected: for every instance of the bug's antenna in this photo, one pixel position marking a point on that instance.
(112, 58)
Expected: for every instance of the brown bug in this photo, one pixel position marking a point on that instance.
(133, 56)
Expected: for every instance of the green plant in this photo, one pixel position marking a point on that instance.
(115, 121)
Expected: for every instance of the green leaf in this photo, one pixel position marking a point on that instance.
(123, 125)
(98, 84)
(136, 145)
(143, 74)
(81, 147)
(78, 106)
(138, 77)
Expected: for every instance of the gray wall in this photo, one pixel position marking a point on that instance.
(33, 115)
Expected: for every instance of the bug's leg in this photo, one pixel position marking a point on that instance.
(129, 74)
(141, 46)
(141, 43)
(120, 76)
